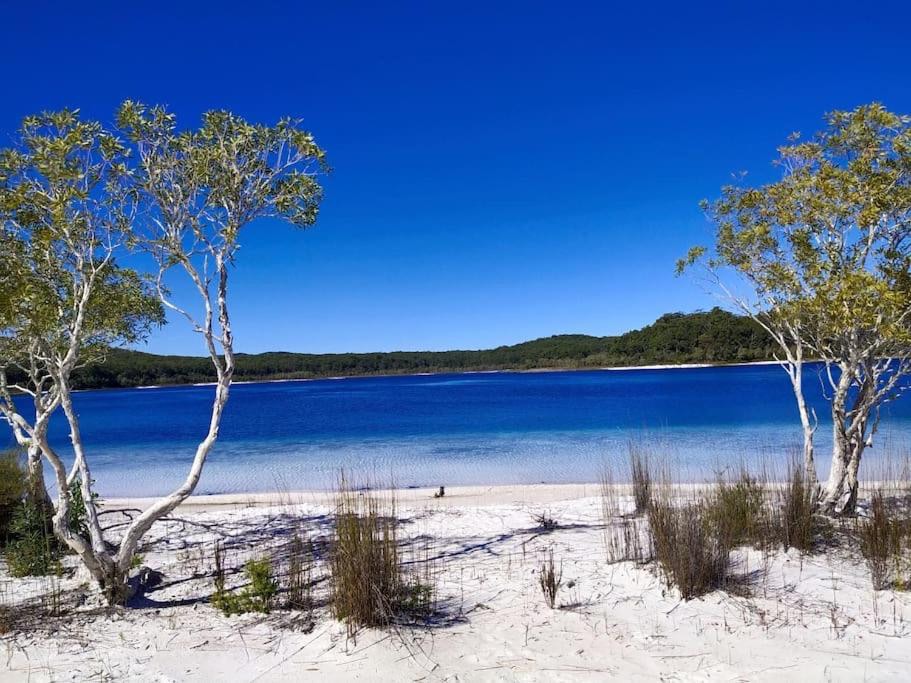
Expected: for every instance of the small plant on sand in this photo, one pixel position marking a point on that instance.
(692, 552)
(640, 478)
(371, 585)
(544, 521)
(550, 579)
(881, 538)
(257, 596)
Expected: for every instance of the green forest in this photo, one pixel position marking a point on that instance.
(715, 336)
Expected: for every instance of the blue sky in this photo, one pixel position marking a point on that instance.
(503, 171)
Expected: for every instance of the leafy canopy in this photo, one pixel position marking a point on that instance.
(829, 244)
(206, 184)
(65, 210)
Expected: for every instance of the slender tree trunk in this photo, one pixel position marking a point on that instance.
(794, 367)
(809, 428)
(852, 484)
(37, 489)
(838, 472)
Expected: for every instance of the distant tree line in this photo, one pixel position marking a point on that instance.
(715, 336)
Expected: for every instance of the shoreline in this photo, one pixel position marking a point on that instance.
(609, 368)
(473, 496)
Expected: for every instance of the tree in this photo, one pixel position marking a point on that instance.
(74, 197)
(198, 189)
(825, 252)
(65, 210)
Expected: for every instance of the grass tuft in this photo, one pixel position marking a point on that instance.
(370, 583)
(550, 578)
(795, 521)
(738, 511)
(691, 550)
(640, 477)
(881, 539)
(300, 575)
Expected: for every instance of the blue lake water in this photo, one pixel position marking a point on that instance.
(476, 428)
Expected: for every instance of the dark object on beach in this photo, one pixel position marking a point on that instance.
(440, 493)
(544, 521)
(149, 578)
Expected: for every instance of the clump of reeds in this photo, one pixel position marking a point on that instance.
(794, 520)
(550, 579)
(640, 477)
(300, 574)
(881, 538)
(738, 512)
(370, 584)
(692, 551)
(623, 535)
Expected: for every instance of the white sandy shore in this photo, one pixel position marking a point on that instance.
(808, 618)
(666, 366)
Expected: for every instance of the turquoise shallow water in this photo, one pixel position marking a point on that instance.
(552, 427)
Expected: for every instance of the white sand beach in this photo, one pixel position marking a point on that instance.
(794, 618)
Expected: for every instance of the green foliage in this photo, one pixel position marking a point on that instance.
(12, 490)
(711, 336)
(738, 511)
(205, 184)
(33, 550)
(257, 596)
(64, 206)
(77, 517)
(829, 236)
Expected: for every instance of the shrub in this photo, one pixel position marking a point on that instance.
(257, 596)
(692, 552)
(33, 550)
(881, 539)
(640, 477)
(369, 582)
(12, 490)
(551, 580)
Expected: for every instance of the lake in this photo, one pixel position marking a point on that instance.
(475, 428)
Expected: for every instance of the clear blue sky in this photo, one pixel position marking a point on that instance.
(502, 171)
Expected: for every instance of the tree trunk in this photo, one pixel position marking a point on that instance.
(37, 489)
(840, 495)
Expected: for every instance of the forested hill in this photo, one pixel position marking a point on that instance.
(715, 336)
